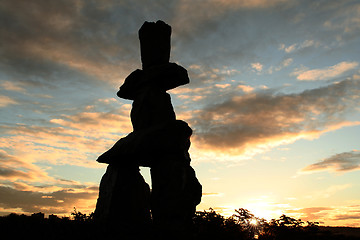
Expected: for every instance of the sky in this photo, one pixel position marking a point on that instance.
(273, 101)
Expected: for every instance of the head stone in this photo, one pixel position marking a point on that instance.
(154, 43)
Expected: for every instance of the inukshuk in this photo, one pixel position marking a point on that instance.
(158, 141)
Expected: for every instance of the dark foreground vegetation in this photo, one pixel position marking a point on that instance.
(208, 225)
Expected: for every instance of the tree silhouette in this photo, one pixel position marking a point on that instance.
(208, 225)
(249, 223)
(80, 217)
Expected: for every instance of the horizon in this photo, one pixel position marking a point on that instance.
(273, 102)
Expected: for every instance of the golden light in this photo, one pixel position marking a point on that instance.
(265, 207)
(253, 222)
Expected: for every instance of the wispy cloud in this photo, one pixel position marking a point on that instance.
(312, 213)
(288, 49)
(335, 215)
(341, 162)
(298, 46)
(215, 8)
(213, 194)
(283, 64)
(27, 188)
(330, 191)
(72, 142)
(99, 121)
(13, 168)
(6, 101)
(11, 86)
(346, 19)
(350, 216)
(325, 73)
(206, 74)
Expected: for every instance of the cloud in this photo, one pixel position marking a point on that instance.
(214, 9)
(6, 101)
(285, 63)
(308, 43)
(14, 168)
(313, 213)
(290, 48)
(75, 139)
(205, 74)
(298, 46)
(250, 4)
(257, 66)
(261, 120)
(27, 188)
(325, 73)
(62, 35)
(226, 85)
(7, 173)
(212, 194)
(341, 217)
(58, 202)
(10, 86)
(342, 162)
(98, 121)
(333, 216)
(332, 190)
(245, 88)
(346, 19)
(348, 214)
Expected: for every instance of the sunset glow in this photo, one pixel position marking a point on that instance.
(273, 102)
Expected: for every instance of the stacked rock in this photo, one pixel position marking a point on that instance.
(158, 141)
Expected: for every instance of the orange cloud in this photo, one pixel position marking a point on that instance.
(98, 121)
(6, 101)
(69, 139)
(58, 202)
(325, 73)
(245, 88)
(260, 121)
(27, 188)
(15, 168)
(331, 215)
(10, 86)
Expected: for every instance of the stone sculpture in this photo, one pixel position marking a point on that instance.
(158, 141)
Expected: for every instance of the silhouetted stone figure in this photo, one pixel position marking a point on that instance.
(158, 141)
(123, 204)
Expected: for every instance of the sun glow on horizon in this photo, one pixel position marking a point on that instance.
(264, 209)
(253, 222)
